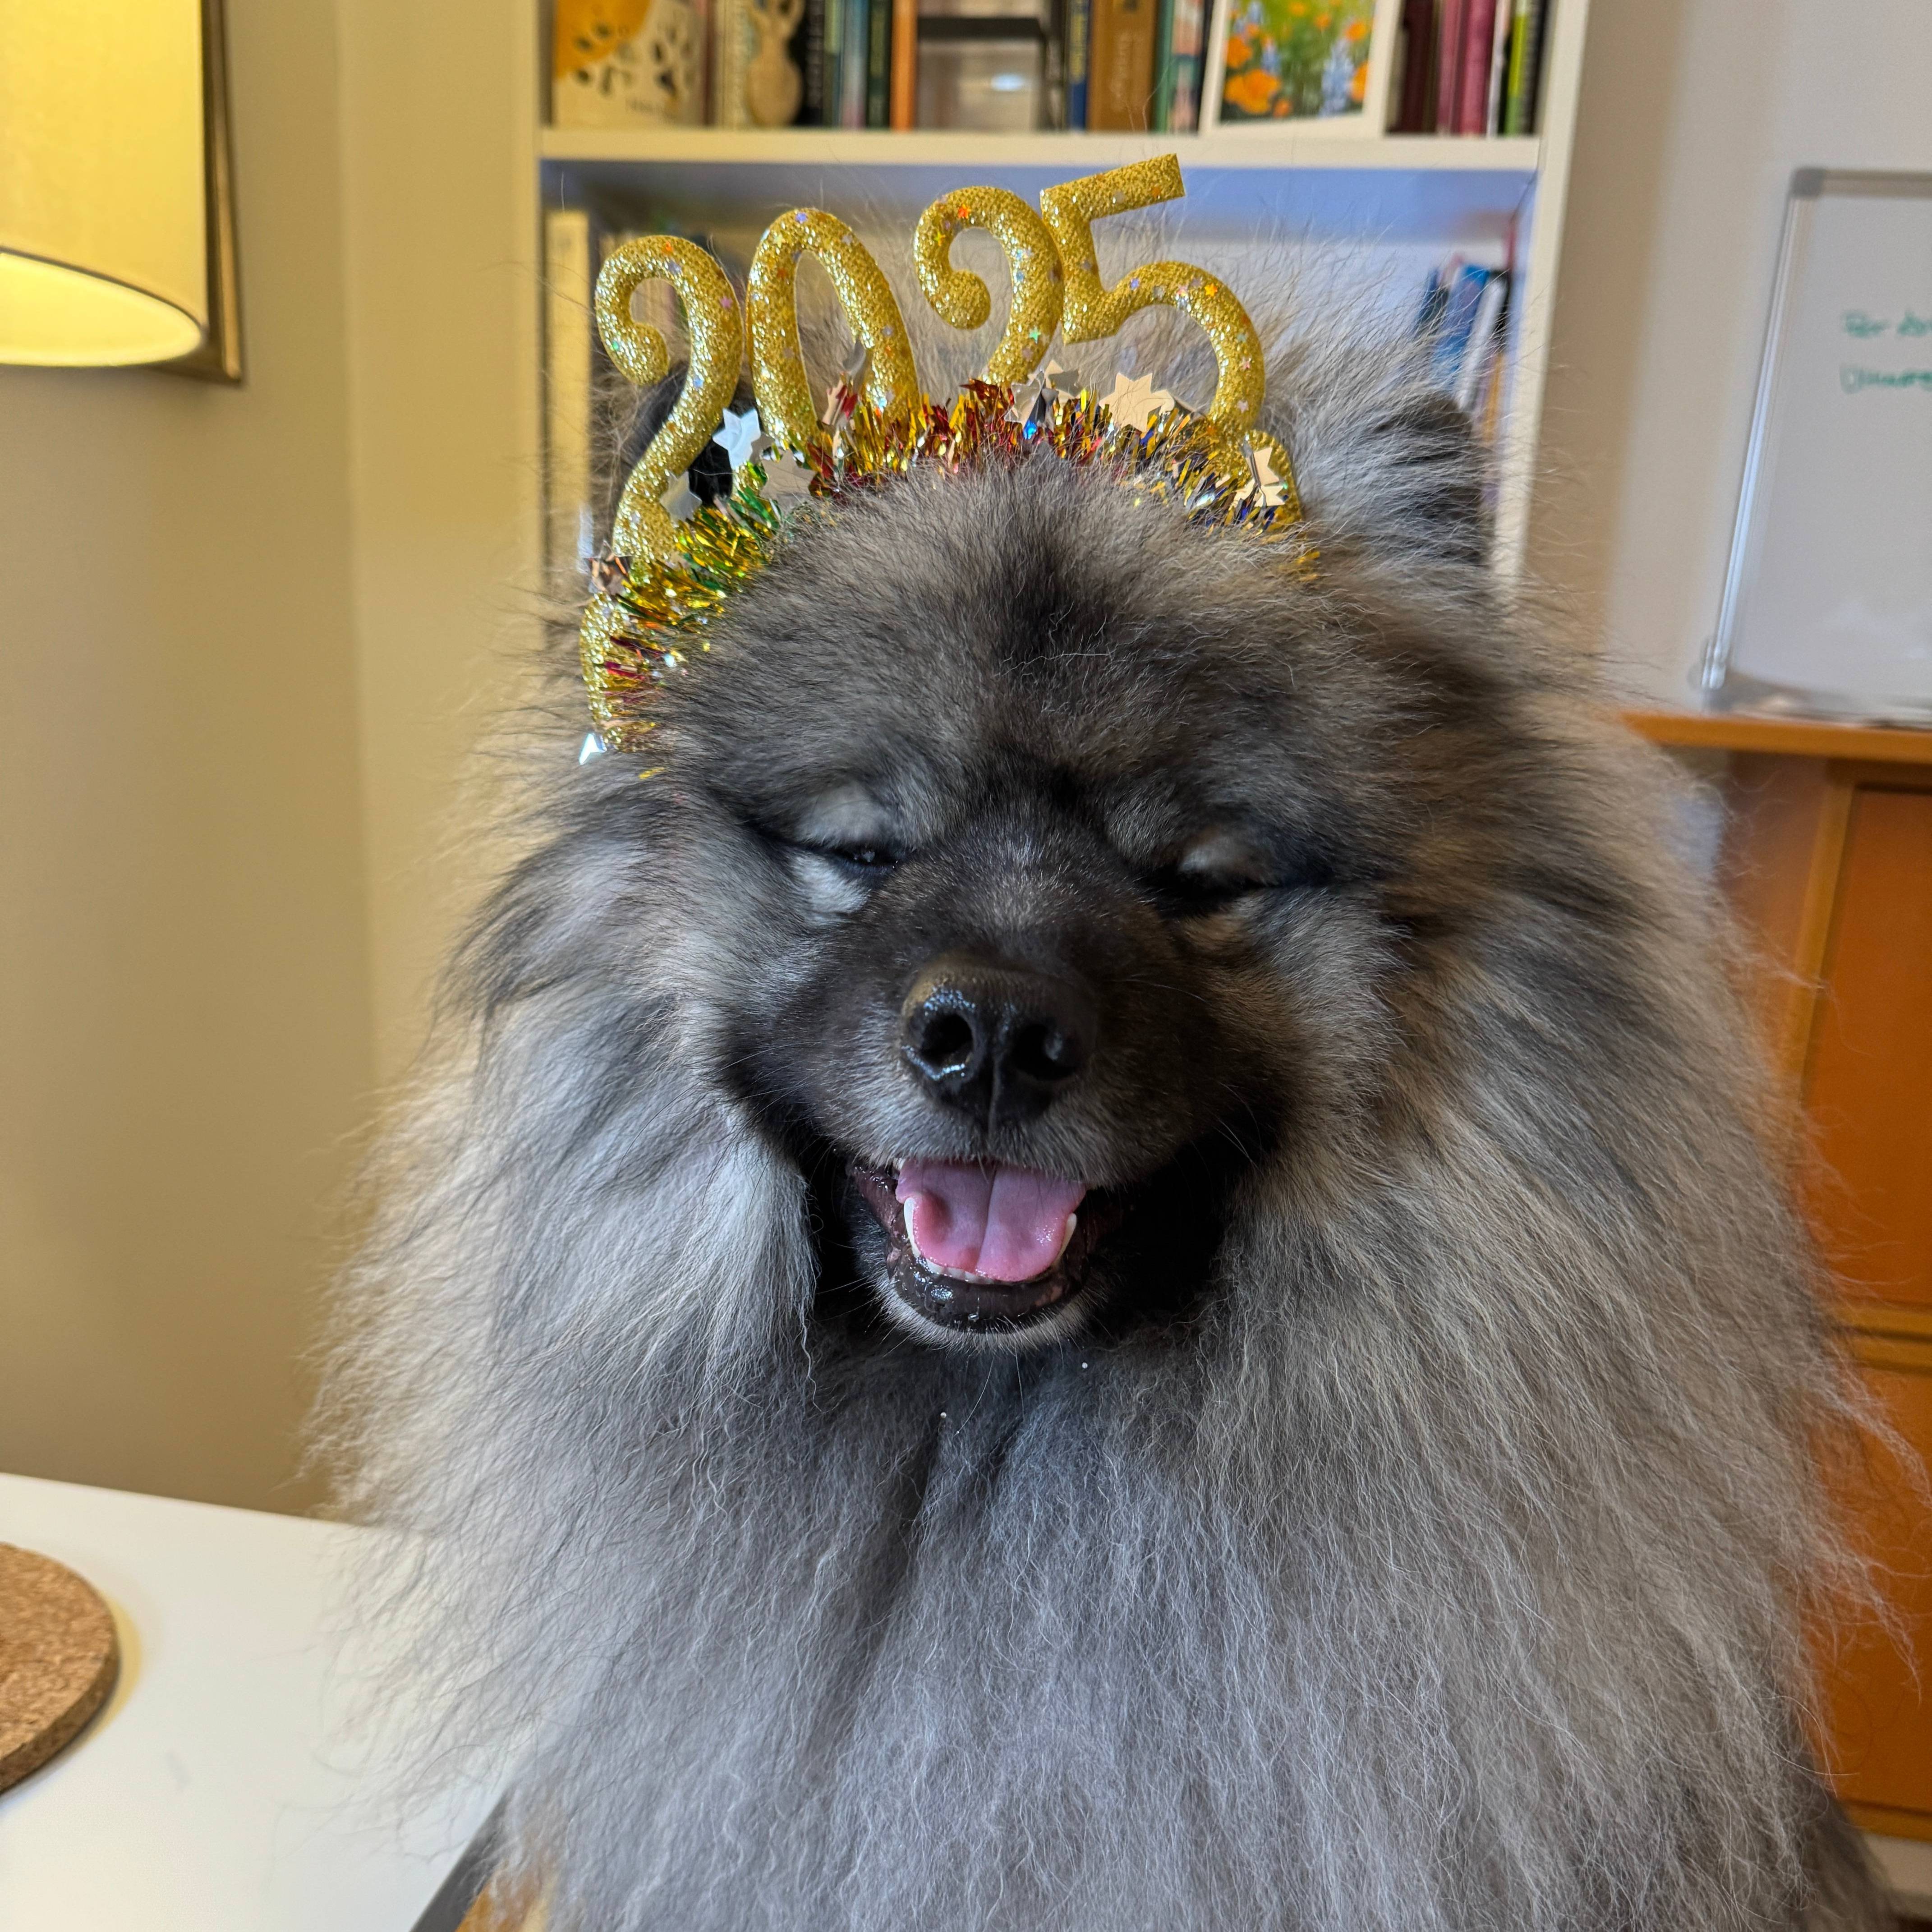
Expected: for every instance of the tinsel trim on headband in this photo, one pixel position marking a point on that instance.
(648, 617)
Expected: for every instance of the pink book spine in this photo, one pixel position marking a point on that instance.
(1449, 63)
(1472, 91)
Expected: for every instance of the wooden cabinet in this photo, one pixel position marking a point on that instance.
(1827, 859)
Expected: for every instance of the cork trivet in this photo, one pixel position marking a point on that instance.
(496, 1910)
(57, 1659)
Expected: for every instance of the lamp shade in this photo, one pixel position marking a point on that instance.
(102, 197)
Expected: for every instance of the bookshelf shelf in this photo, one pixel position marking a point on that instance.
(1519, 157)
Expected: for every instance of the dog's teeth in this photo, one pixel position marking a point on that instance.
(1066, 1236)
(912, 1239)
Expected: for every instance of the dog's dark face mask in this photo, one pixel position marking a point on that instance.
(1043, 924)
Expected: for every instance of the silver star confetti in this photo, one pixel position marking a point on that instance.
(741, 439)
(1138, 402)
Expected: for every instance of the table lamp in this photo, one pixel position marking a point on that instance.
(116, 242)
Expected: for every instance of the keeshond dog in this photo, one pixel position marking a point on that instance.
(1107, 1260)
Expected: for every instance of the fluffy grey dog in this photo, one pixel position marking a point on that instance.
(1106, 1263)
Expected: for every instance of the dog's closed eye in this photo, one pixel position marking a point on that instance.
(838, 850)
(1224, 864)
(1211, 871)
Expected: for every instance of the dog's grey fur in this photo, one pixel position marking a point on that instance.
(1436, 1559)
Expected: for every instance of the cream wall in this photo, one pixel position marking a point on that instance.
(1694, 114)
(247, 638)
(440, 201)
(185, 1010)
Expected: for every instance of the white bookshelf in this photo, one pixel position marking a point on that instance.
(1423, 195)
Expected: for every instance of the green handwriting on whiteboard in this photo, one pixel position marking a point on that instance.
(1852, 379)
(1857, 322)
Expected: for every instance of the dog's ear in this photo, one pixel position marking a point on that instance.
(1430, 474)
(1384, 457)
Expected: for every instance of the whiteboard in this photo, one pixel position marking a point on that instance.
(1827, 601)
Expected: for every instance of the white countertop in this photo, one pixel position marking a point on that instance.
(210, 1794)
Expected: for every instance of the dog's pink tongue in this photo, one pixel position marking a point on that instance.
(1006, 1222)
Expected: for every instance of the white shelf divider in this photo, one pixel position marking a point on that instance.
(1263, 148)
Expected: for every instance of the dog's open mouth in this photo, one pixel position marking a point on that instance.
(983, 1246)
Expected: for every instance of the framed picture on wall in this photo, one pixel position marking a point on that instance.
(1323, 65)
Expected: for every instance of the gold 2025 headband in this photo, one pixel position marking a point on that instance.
(664, 578)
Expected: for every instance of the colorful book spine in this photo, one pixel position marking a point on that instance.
(1472, 88)
(852, 54)
(1501, 36)
(732, 37)
(1415, 112)
(878, 63)
(567, 333)
(1119, 81)
(811, 64)
(1449, 337)
(1186, 46)
(1450, 21)
(1079, 22)
(1525, 68)
(834, 42)
(903, 105)
(1161, 106)
(1479, 352)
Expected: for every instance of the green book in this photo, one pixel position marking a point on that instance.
(879, 63)
(1162, 116)
(1526, 59)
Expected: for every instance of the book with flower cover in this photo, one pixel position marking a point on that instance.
(1275, 60)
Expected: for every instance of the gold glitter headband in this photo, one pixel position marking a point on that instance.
(663, 580)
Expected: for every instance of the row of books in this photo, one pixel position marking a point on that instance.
(996, 66)
(897, 64)
(1463, 321)
(1468, 67)
(1000, 66)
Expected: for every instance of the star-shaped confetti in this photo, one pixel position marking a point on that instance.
(1032, 399)
(1136, 402)
(786, 479)
(1272, 493)
(741, 438)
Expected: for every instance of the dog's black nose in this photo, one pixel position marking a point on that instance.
(996, 1042)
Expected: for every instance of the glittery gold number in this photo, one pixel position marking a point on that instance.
(1093, 309)
(961, 299)
(643, 526)
(778, 358)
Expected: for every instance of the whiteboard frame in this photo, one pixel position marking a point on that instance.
(1723, 688)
